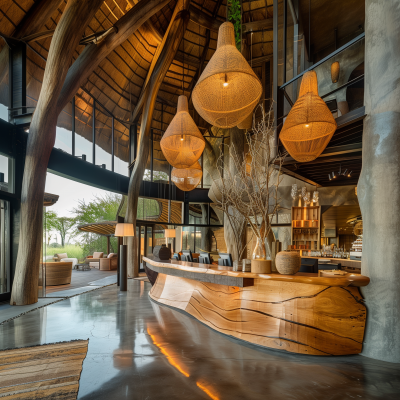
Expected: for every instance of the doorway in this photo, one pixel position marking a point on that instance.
(144, 233)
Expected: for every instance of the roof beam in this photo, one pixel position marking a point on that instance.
(297, 176)
(201, 18)
(329, 152)
(93, 54)
(264, 24)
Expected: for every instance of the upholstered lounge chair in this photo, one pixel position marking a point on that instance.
(64, 258)
(94, 260)
(109, 263)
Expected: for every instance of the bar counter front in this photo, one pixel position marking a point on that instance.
(300, 313)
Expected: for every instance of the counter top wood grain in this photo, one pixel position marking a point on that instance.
(306, 278)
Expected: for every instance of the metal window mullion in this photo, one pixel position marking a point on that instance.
(73, 126)
(94, 131)
(112, 143)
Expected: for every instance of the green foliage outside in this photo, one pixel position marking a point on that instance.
(103, 208)
(235, 16)
(73, 251)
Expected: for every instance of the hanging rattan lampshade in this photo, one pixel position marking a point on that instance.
(335, 71)
(309, 126)
(247, 123)
(182, 143)
(187, 179)
(228, 89)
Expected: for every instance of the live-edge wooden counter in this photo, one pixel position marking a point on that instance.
(299, 313)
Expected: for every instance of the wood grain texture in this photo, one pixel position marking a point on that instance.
(295, 317)
(356, 280)
(58, 273)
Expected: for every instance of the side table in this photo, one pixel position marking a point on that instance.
(82, 267)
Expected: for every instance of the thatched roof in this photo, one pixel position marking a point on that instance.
(117, 82)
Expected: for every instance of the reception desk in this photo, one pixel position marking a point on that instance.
(300, 313)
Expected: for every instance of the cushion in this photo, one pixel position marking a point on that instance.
(98, 254)
(62, 255)
(94, 264)
(112, 255)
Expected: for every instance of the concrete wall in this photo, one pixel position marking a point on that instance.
(379, 184)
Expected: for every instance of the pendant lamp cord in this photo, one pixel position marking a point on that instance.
(309, 30)
(183, 67)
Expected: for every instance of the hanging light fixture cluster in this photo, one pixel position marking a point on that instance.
(225, 95)
(337, 175)
(310, 125)
(182, 145)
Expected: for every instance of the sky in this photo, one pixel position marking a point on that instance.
(70, 192)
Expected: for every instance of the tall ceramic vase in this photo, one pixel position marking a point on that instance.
(259, 262)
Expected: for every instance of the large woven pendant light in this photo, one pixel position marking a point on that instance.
(309, 126)
(182, 143)
(187, 179)
(228, 89)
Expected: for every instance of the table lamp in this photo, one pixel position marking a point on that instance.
(169, 233)
(123, 230)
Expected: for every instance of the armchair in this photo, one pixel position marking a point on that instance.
(63, 257)
(109, 263)
(94, 260)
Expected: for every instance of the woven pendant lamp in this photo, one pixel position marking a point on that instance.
(228, 89)
(309, 126)
(187, 179)
(182, 143)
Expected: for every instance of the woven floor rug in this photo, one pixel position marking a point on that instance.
(50, 371)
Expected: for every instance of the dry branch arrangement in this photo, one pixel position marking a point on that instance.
(249, 197)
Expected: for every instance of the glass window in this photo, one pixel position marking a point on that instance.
(121, 148)
(83, 125)
(5, 283)
(64, 130)
(198, 213)
(3, 112)
(160, 164)
(6, 174)
(103, 127)
(188, 235)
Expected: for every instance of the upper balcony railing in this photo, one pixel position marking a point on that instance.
(342, 96)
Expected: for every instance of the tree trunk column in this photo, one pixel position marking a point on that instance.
(379, 185)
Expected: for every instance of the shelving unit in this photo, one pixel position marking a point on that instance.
(306, 227)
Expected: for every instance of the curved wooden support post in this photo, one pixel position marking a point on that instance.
(41, 138)
(174, 37)
(93, 54)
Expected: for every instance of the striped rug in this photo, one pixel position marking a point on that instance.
(50, 371)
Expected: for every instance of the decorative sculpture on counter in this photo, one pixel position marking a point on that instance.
(250, 196)
(295, 191)
(307, 198)
(228, 89)
(288, 262)
(315, 197)
(182, 143)
(310, 125)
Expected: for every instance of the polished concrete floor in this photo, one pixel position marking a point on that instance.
(141, 350)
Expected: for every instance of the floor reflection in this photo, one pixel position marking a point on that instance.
(139, 349)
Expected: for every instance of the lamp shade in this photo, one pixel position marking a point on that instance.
(124, 230)
(182, 142)
(335, 71)
(310, 125)
(169, 233)
(228, 89)
(187, 179)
